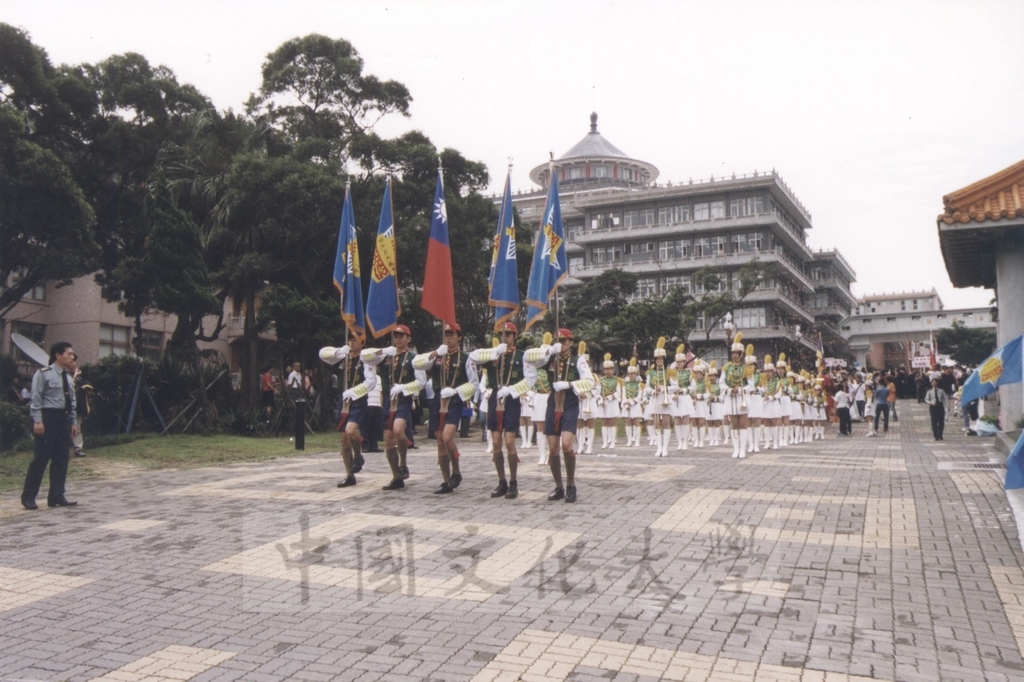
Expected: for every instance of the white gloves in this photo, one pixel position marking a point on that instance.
(504, 391)
(447, 392)
(560, 385)
(332, 355)
(350, 394)
(390, 351)
(502, 348)
(442, 351)
(396, 391)
(556, 348)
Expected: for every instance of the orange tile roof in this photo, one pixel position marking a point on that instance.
(998, 196)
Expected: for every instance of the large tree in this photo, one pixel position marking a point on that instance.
(966, 346)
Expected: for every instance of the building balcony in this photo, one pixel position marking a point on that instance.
(784, 300)
(832, 310)
(838, 286)
(837, 260)
(650, 264)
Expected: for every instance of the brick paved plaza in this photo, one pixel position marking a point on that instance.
(849, 559)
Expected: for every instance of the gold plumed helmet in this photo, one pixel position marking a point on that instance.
(608, 364)
(750, 359)
(495, 342)
(681, 352)
(632, 369)
(782, 361)
(714, 367)
(768, 363)
(547, 339)
(581, 349)
(659, 352)
(737, 343)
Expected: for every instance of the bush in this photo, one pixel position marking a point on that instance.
(15, 425)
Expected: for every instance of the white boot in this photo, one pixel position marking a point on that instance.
(753, 444)
(530, 428)
(524, 432)
(744, 437)
(657, 439)
(542, 446)
(635, 428)
(613, 436)
(775, 437)
(590, 440)
(666, 436)
(490, 445)
(735, 443)
(702, 431)
(727, 431)
(684, 435)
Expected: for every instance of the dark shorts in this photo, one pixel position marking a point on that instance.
(402, 411)
(569, 417)
(267, 399)
(357, 413)
(510, 417)
(453, 417)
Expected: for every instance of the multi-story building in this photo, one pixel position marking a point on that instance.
(616, 216)
(890, 330)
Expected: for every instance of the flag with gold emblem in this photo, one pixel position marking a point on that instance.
(504, 290)
(550, 265)
(382, 305)
(346, 270)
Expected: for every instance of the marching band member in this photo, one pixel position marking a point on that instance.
(509, 381)
(753, 387)
(570, 378)
(451, 386)
(610, 388)
(484, 394)
(772, 406)
(659, 407)
(585, 433)
(400, 383)
(701, 408)
(353, 402)
(632, 390)
(539, 407)
(734, 398)
(682, 403)
(785, 401)
(715, 406)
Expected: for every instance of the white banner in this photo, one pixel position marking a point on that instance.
(923, 362)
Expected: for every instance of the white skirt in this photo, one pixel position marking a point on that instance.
(717, 410)
(772, 408)
(631, 411)
(610, 409)
(785, 407)
(682, 406)
(539, 408)
(755, 406)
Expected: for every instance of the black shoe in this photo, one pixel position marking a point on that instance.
(500, 490)
(513, 491)
(29, 504)
(972, 433)
(351, 480)
(413, 447)
(62, 502)
(357, 464)
(570, 493)
(445, 489)
(79, 453)
(456, 479)
(396, 484)
(404, 471)
(556, 495)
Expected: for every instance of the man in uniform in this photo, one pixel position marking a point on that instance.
(570, 378)
(352, 405)
(610, 387)
(399, 384)
(451, 386)
(54, 423)
(509, 381)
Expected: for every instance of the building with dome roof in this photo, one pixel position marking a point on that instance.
(616, 215)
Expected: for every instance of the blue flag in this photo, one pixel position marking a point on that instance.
(1002, 367)
(346, 270)
(382, 304)
(504, 293)
(550, 265)
(1015, 466)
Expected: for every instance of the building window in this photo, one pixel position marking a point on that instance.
(903, 305)
(681, 281)
(746, 243)
(669, 215)
(702, 247)
(915, 304)
(890, 319)
(648, 247)
(600, 172)
(640, 218)
(746, 206)
(749, 318)
(626, 173)
(702, 211)
(671, 250)
(717, 210)
(575, 263)
(718, 246)
(36, 293)
(646, 287)
(846, 328)
(816, 274)
(152, 344)
(113, 340)
(576, 173)
(601, 221)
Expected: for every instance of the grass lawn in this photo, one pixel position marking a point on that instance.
(151, 451)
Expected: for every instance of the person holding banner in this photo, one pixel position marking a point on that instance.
(571, 378)
(509, 380)
(400, 383)
(353, 403)
(451, 386)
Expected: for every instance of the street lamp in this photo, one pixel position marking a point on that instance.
(728, 326)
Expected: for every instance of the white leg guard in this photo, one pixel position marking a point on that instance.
(524, 432)
(735, 443)
(590, 441)
(702, 431)
(752, 440)
(684, 435)
(542, 450)
(490, 445)
(613, 436)
(744, 437)
(775, 437)
(656, 433)
(666, 435)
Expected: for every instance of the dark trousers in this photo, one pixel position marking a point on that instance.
(880, 409)
(892, 406)
(860, 408)
(938, 414)
(844, 420)
(50, 448)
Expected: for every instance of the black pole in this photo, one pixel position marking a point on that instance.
(300, 424)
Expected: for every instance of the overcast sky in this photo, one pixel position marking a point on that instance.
(871, 112)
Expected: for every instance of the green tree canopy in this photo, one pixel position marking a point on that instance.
(966, 346)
